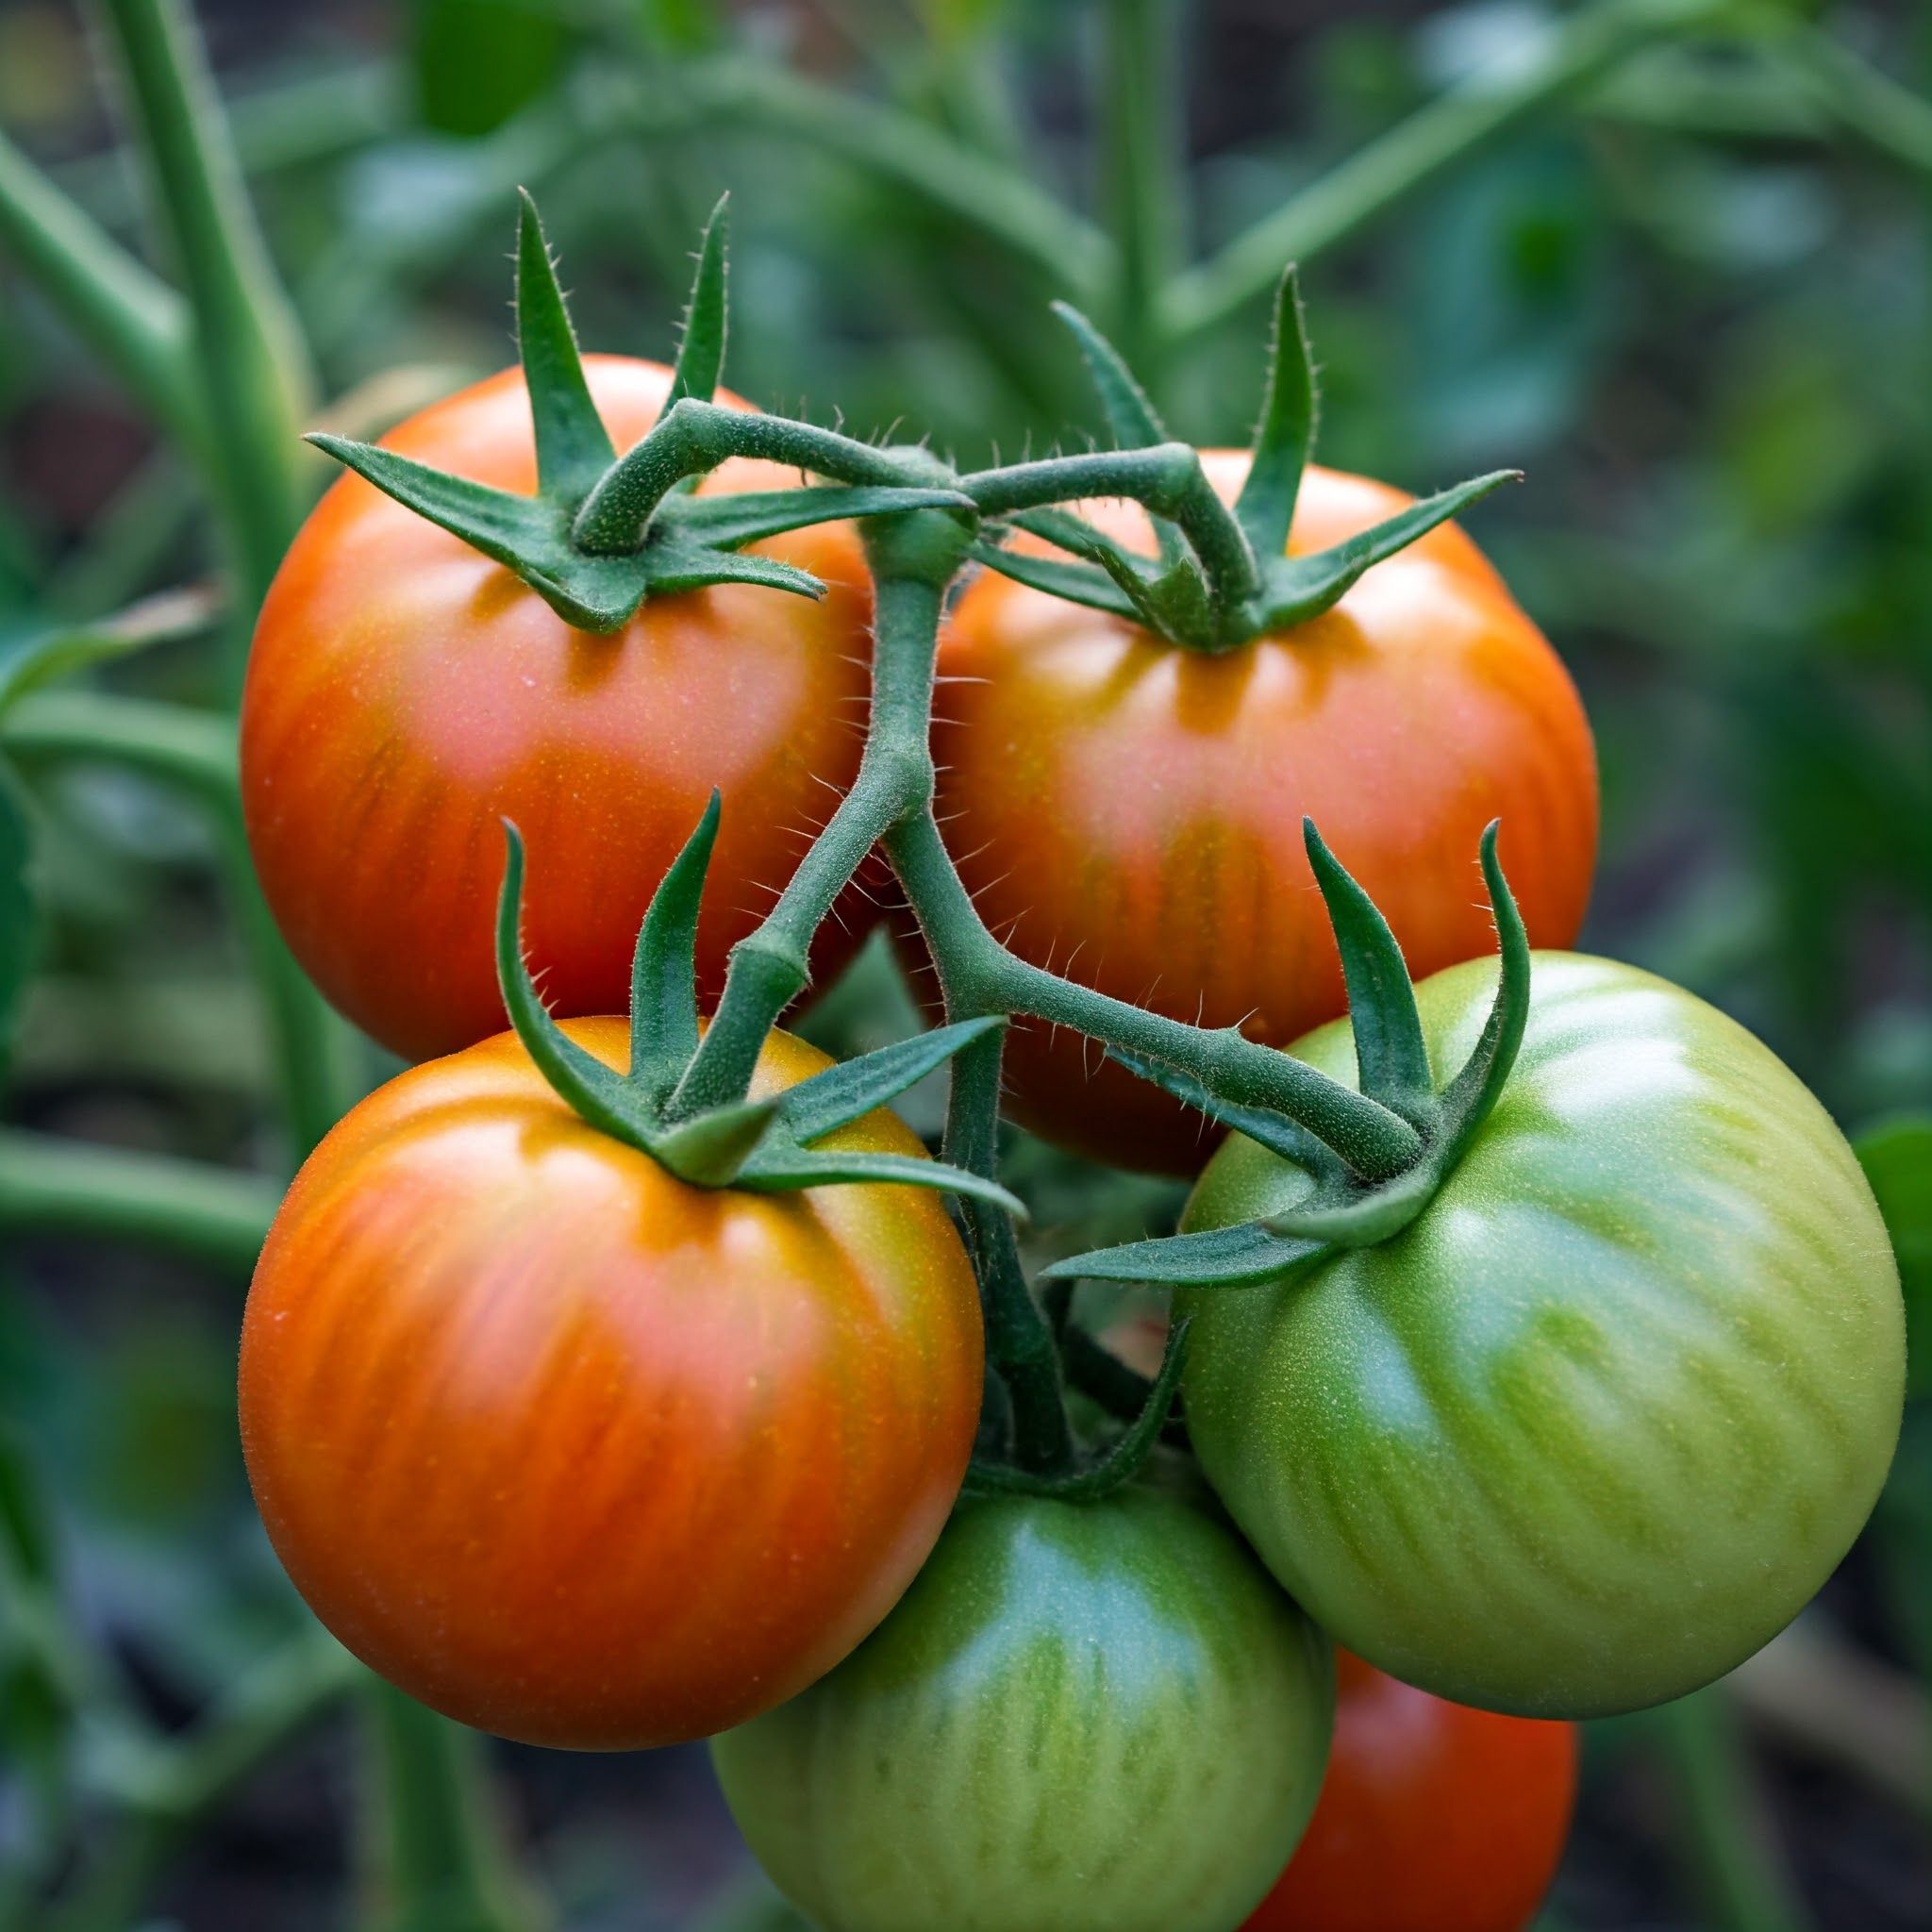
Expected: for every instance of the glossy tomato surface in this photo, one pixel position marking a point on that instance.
(579, 1454)
(1433, 1817)
(406, 694)
(1130, 813)
(1079, 1719)
(1598, 1422)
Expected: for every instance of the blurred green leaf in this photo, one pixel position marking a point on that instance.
(19, 913)
(33, 656)
(1897, 1158)
(477, 61)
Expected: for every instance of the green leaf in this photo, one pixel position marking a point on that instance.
(1294, 589)
(1221, 1257)
(476, 62)
(1468, 1098)
(511, 529)
(574, 448)
(663, 973)
(1392, 1058)
(782, 1168)
(726, 522)
(1122, 1463)
(18, 910)
(1897, 1159)
(1274, 1131)
(852, 1090)
(701, 352)
(1077, 583)
(603, 1097)
(35, 656)
(1123, 401)
(1284, 438)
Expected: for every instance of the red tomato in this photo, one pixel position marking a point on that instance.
(577, 1453)
(1433, 1817)
(1130, 813)
(405, 694)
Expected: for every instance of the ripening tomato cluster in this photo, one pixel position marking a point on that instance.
(584, 1453)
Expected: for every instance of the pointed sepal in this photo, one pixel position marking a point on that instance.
(855, 1088)
(1285, 437)
(663, 973)
(574, 448)
(1392, 1058)
(701, 350)
(1073, 583)
(725, 522)
(1129, 414)
(1274, 1131)
(780, 1165)
(1220, 1257)
(715, 1149)
(1469, 1098)
(1119, 1466)
(1296, 588)
(1170, 599)
(602, 1096)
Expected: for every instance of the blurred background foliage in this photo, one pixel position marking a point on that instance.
(1691, 295)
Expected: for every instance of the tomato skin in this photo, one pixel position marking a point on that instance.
(406, 694)
(579, 1454)
(1599, 1423)
(1433, 1817)
(1130, 813)
(1079, 1719)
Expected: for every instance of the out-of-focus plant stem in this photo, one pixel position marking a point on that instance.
(1422, 149)
(1139, 114)
(1728, 1846)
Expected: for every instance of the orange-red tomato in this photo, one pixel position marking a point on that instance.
(1433, 1817)
(406, 694)
(577, 1453)
(1130, 813)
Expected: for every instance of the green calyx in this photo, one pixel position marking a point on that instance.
(1392, 1067)
(605, 532)
(761, 1146)
(1225, 580)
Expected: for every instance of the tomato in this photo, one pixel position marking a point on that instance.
(406, 694)
(1433, 1817)
(1130, 813)
(1081, 1718)
(1601, 1419)
(580, 1454)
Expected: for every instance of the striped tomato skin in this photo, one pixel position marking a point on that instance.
(1129, 813)
(406, 694)
(1100, 1718)
(579, 1454)
(1601, 1420)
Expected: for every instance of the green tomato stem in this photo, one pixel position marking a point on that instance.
(771, 967)
(206, 1214)
(1418, 151)
(1018, 1339)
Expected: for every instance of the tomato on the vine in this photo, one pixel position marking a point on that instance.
(1129, 812)
(1080, 1717)
(406, 694)
(1433, 1817)
(1599, 1422)
(581, 1453)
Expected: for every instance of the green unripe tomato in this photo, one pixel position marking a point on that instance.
(1597, 1423)
(1099, 1718)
